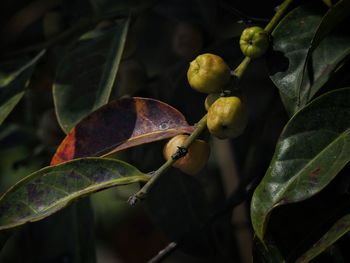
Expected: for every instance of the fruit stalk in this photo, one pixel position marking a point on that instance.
(276, 18)
(239, 71)
(200, 127)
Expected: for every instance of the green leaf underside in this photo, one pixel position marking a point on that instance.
(340, 228)
(13, 84)
(313, 147)
(294, 44)
(86, 75)
(52, 188)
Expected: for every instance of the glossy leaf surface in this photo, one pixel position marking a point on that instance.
(50, 189)
(304, 54)
(13, 81)
(313, 147)
(119, 125)
(340, 228)
(86, 74)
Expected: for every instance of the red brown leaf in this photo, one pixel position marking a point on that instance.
(119, 125)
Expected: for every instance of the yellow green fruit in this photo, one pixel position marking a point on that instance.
(254, 42)
(208, 73)
(227, 117)
(195, 159)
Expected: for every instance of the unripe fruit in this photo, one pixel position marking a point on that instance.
(208, 73)
(227, 117)
(195, 159)
(254, 42)
(210, 99)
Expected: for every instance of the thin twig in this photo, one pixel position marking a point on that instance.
(171, 247)
(279, 14)
(200, 127)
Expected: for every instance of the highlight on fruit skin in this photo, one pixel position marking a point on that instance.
(227, 117)
(254, 42)
(195, 159)
(208, 73)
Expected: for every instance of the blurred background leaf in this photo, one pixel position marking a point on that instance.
(14, 78)
(89, 68)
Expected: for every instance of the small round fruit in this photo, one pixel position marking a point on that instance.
(210, 99)
(227, 117)
(195, 159)
(208, 73)
(254, 42)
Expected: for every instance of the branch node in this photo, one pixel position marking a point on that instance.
(133, 200)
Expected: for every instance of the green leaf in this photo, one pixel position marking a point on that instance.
(335, 15)
(13, 81)
(340, 228)
(86, 74)
(305, 53)
(313, 147)
(50, 189)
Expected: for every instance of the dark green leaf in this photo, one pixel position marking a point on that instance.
(13, 82)
(52, 188)
(86, 75)
(313, 147)
(331, 19)
(340, 228)
(297, 40)
(63, 237)
(335, 15)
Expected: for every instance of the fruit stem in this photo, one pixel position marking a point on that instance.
(200, 127)
(239, 71)
(276, 18)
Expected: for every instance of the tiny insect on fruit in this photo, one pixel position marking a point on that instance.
(208, 73)
(254, 42)
(227, 117)
(195, 159)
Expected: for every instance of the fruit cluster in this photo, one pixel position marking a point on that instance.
(227, 116)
